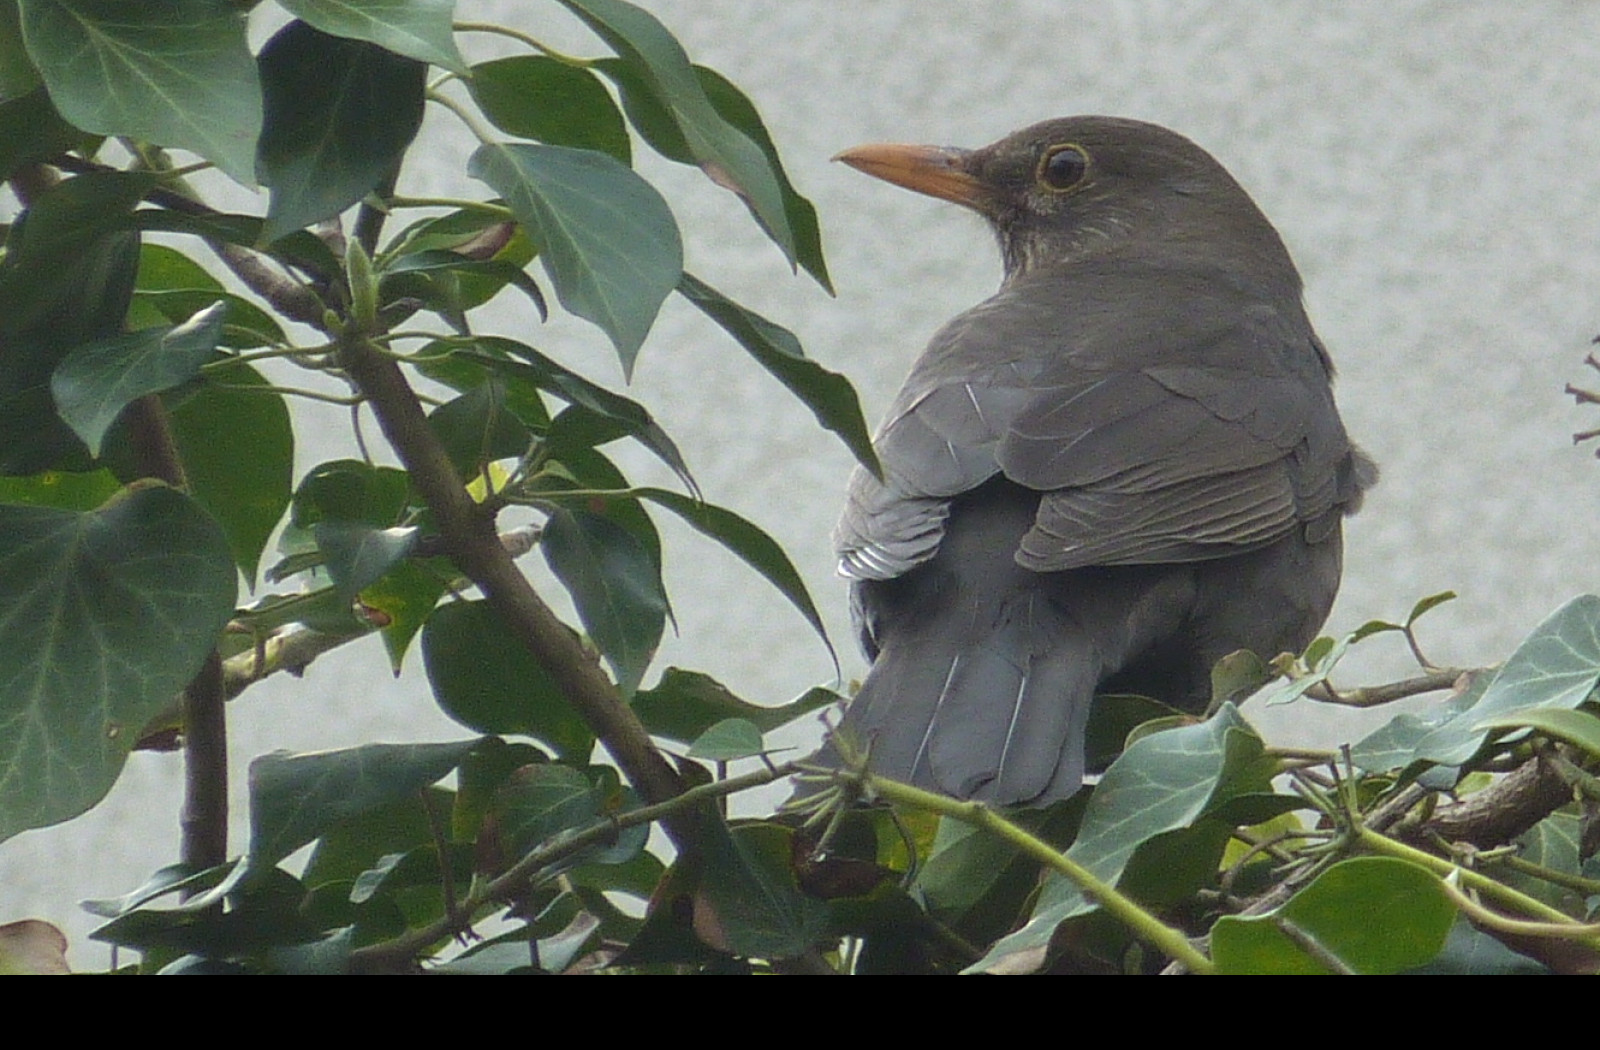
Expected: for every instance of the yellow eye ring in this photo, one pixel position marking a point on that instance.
(1063, 167)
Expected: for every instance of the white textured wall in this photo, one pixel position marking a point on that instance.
(1435, 168)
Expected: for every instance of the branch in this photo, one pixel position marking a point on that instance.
(1372, 696)
(384, 956)
(469, 534)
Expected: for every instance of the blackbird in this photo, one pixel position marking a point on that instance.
(1123, 466)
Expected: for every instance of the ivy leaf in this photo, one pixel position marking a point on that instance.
(294, 798)
(484, 677)
(419, 29)
(105, 616)
(607, 239)
(340, 114)
(95, 382)
(1371, 915)
(829, 395)
(177, 73)
(726, 154)
(616, 586)
(751, 545)
(539, 98)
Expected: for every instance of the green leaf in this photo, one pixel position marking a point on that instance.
(478, 428)
(484, 677)
(1556, 666)
(1556, 845)
(175, 73)
(402, 600)
(736, 108)
(419, 29)
(723, 151)
(728, 740)
(748, 902)
(105, 616)
(1161, 783)
(828, 395)
(631, 418)
(95, 382)
(237, 448)
(685, 704)
(607, 239)
(1575, 727)
(1393, 745)
(357, 555)
(350, 490)
(32, 130)
(539, 98)
(541, 801)
(1432, 601)
(751, 545)
(615, 585)
(60, 489)
(17, 75)
(171, 288)
(295, 798)
(1370, 915)
(340, 114)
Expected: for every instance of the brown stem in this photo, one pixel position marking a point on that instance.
(204, 821)
(470, 536)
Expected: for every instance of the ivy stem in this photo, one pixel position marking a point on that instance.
(1145, 926)
(532, 41)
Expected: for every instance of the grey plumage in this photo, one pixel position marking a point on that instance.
(1123, 466)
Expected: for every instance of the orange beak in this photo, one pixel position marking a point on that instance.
(938, 171)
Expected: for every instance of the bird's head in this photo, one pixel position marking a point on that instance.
(1078, 187)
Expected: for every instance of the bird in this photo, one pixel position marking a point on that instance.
(1124, 465)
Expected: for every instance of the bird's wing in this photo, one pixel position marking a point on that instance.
(1153, 436)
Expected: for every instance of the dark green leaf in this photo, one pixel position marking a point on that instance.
(684, 704)
(104, 617)
(237, 447)
(728, 740)
(419, 29)
(350, 490)
(752, 546)
(615, 585)
(829, 395)
(359, 555)
(349, 848)
(17, 75)
(176, 73)
(541, 801)
(1555, 844)
(736, 108)
(607, 239)
(539, 98)
(171, 287)
(484, 677)
(478, 428)
(631, 417)
(340, 114)
(31, 130)
(295, 798)
(723, 151)
(95, 382)
(748, 902)
(1556, 666)
(1372, 915)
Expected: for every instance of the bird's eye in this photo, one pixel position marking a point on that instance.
(1063, 167)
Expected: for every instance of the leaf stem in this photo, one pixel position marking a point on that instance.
(1145, 926)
